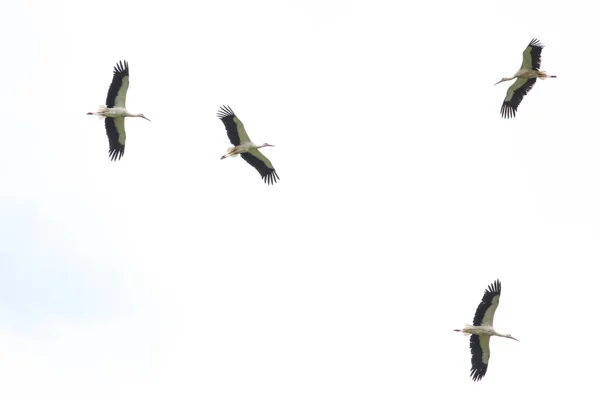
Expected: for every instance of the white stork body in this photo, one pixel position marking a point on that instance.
(244, 146)
(482, 329)
(114, 112)
(525, 79)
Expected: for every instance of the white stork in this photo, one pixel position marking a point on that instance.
(243, 145)
(114, 112)
(526, 76)
(482, 329)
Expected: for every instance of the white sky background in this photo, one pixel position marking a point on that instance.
(173, 275)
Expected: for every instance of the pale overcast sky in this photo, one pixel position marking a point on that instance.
(171, 274)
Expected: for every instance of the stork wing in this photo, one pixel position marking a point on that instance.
(115, 130)
(480, 355)
(262, 165)
(235, 129)
(486, 309)
(514, 96)
(532, 55)
(117, 92)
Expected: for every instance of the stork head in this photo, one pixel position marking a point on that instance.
(142, 116)
(267, 145)
(510, 337)
(502, 80)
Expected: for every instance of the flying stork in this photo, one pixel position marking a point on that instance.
(243, 145)
(526, 76)
(114, 112)
(482, 329)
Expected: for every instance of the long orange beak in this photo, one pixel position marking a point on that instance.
(500, 81)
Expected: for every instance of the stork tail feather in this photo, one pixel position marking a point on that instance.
(230, 152)
(544, 75)
(100, 113)
(463, 332)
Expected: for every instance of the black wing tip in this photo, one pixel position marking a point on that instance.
(507, 110)
(224, 112)
(116, 154)
(122, 68)
(477, 374)
(536, 43)
(494, 287)
(271, 177)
